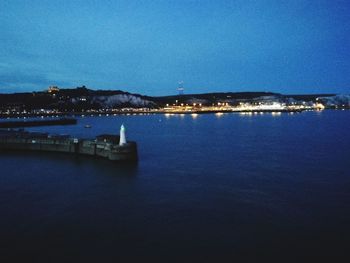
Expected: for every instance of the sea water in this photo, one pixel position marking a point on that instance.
(219, 187)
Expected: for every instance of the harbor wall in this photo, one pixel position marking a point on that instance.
(127, 152)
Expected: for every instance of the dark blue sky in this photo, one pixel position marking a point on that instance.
(149, 46)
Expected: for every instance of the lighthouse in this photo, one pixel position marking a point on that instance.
(122, 139)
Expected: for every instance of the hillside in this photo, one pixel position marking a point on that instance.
(82, 98)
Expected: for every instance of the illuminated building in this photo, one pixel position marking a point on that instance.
(52, 89)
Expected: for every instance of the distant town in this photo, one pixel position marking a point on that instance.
(55, 101)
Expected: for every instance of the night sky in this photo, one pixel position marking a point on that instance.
(149, 46)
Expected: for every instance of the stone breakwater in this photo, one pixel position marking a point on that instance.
(33, 123)
(106, 145)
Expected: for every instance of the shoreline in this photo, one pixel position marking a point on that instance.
(149, 112)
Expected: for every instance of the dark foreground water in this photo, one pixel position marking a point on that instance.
(206, 188)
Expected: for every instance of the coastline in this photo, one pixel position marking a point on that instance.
(114, 112)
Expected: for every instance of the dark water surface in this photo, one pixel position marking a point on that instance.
(206, 188)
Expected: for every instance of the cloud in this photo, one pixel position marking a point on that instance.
(17, 80)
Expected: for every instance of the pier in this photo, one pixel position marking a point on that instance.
(35, 123)
(105, 145)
